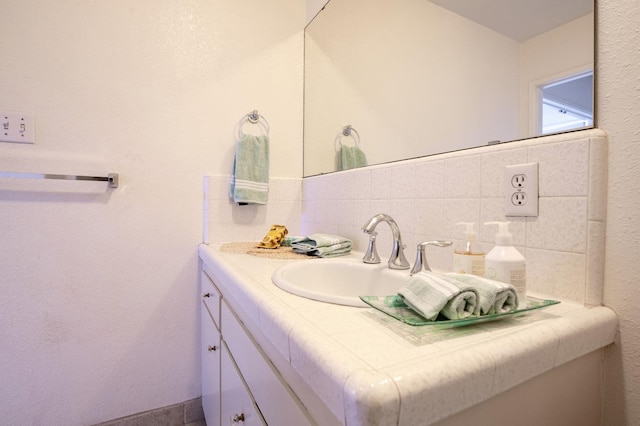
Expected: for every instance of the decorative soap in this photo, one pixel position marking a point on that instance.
(274, 238)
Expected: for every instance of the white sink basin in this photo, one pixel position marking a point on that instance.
(339, 281)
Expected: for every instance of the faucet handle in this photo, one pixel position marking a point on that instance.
(421, 258)
(397, 259)
(371, 256)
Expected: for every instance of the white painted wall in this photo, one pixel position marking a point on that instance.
(99, 306)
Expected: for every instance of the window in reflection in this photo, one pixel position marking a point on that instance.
(567, 104)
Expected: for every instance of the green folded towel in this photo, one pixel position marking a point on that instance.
(351, 157)
(429, 295)
(250, 175)
(495, 297)
(322, 245)
(289, 239)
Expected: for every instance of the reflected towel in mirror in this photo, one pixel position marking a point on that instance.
(351, 157)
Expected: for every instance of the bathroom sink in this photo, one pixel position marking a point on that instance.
(339, 281)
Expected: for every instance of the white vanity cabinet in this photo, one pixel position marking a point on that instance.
(295, 361)
(240, 385)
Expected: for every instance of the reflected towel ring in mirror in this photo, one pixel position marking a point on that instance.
(254, 118)
(347, 131)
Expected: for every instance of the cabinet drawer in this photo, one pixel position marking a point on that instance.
(210, 367)
(277, 403)
(237, 405)
(211, 298)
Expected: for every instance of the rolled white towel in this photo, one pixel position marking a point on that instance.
(429, 295)
(495, 297)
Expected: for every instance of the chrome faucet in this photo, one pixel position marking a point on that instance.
(421, 258)
(397, 259)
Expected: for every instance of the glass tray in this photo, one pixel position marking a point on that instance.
(396, 308)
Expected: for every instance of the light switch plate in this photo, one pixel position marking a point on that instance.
(17, 127)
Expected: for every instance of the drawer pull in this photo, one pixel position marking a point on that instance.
(205, 295)
(212, 348)
(237, 418)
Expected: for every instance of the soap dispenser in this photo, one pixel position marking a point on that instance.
(468, 257)
(505, 263)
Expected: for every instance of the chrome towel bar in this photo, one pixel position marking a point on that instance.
(111, 178)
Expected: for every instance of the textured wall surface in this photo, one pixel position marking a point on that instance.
(618, 91)
(99, 308)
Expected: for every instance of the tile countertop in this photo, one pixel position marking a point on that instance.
(362, 363)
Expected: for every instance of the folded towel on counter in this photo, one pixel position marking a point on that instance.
(322, 245)
(351, 157)
(250, 175)
(289, 239)
(495, 297)
(429, 295)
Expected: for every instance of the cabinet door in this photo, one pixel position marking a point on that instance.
(237, 404)
(210, 368)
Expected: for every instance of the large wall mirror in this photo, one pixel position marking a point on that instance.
(388, 80)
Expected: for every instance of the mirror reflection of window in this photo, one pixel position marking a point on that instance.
(567, 104)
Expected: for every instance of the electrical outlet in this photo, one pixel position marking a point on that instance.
(17, 127)
(521, 190)
(518, 181)
(519, 198)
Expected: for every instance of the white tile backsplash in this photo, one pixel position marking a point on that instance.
(595, 263)
(556, 273)
(493, 169)
(563, 245)
(563, 226)
(563, 167)
(429, 179)
(380, 187)
(403, 181)
(598, 162)
(462, 176)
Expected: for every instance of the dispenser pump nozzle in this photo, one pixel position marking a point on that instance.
(503, 236)
(469, 232)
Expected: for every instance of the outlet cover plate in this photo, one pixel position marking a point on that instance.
(521, 190)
